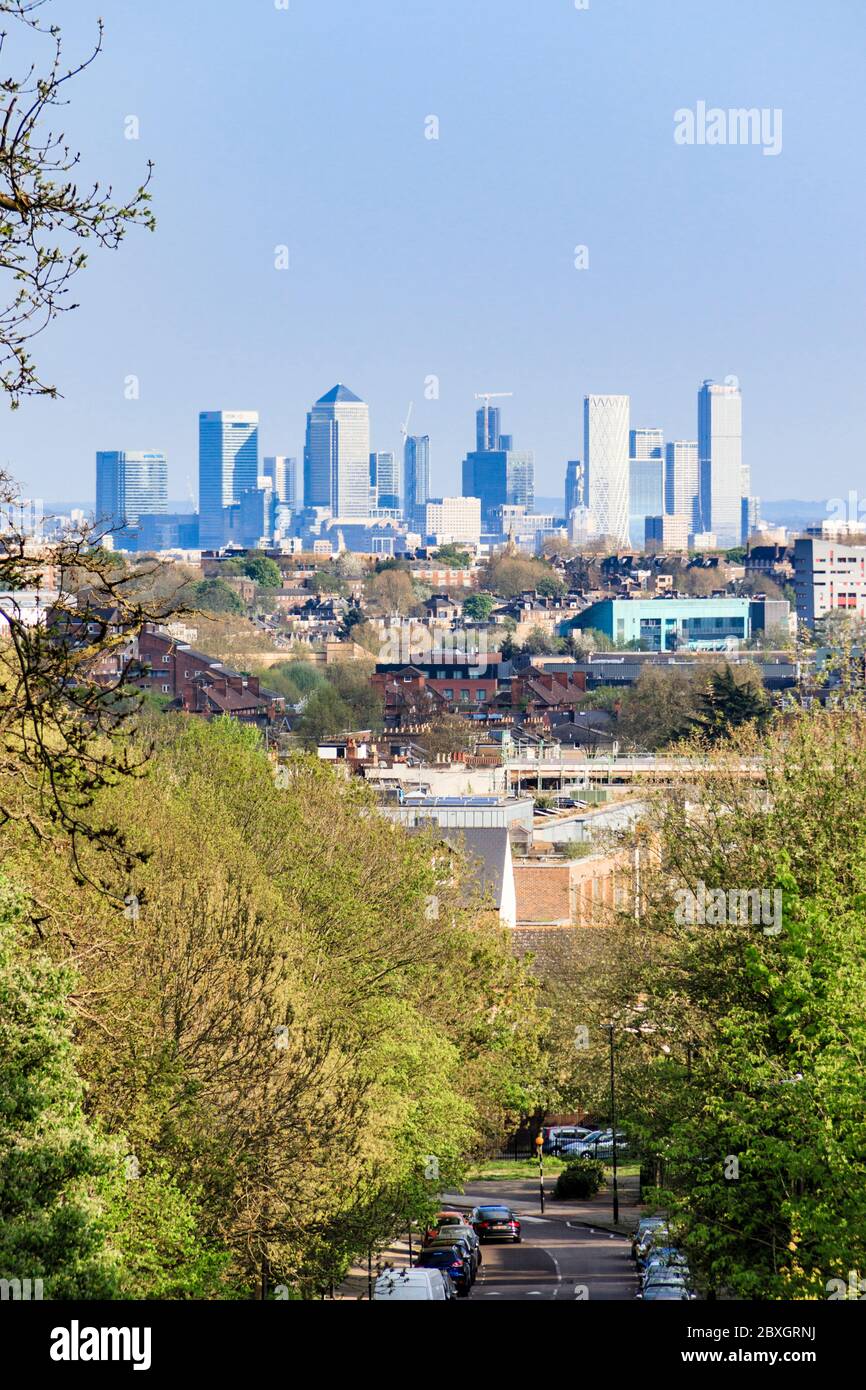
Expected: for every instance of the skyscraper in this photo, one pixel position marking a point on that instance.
(128, 486)
(683, 481)
(416, 476)
(574, 486)
(646, 481)
(228, 462)
(498, 475)
(385, 475)
(282, 473)
(606, 455)
(720, 449)
(337, 454)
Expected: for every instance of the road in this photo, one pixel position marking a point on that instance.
(555, 1260)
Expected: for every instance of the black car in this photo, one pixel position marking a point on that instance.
(496, 1223)
(454, 1261)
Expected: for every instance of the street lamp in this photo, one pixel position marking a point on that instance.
(613, 1126)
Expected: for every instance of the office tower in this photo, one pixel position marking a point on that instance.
(720, 449)
(128, 486)
(498, 476)
(666, 532)
(574, 486)
(416, 476)
(646, 444)
(385, 478)
(337, 454)
(282, 473)
(646, 481)
(683, 481)
(487, 429)
(606, 456)
(453, 519)
(255, 520)
(228, 462)
(745, 503)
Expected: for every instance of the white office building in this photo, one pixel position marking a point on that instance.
(453, 520)
(720, 447)
(683, 481)
(606, 455)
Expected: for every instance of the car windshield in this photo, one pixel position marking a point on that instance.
(495, 1213)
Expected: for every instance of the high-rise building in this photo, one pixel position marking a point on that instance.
(337, 454)
(646, 444)
(487, 429)
(228, 462)
(646, 481)
(499, 476)
(416, 475)
(574, 486)
(606, 457)
(385, 478)
(282, 473)
(128, 486)
(683, 481)
(453, 519)
(720, 449)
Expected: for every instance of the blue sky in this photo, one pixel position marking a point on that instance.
(412, 257)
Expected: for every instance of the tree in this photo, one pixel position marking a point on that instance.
(49, 1153)
(391, 591)
(45, 218)
(454, 556)
(216, 596)
(511, 575)
(540, 642)
(265, 571)
(659, 709)
(325, 715)
(478, 607)
(729, 702)
(753, 1111)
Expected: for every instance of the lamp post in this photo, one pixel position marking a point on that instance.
(613, 1125)
(539, 1148)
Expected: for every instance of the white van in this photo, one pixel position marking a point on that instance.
(412, 1285)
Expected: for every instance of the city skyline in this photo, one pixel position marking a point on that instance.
(153, 335)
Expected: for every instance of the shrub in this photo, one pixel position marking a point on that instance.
(582, 1178)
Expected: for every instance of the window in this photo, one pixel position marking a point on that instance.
(448, 693)
(465, 696)
(166, 690)
(166, 659)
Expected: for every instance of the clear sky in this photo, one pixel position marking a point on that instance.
(454, 257)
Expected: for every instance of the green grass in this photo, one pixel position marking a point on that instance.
(516, 1170)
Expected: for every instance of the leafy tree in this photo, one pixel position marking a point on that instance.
(46, 217)
(265, 571)
(326, 582)
(216, 596)
(478, 607)
(660, 708)
(729, 702)
(49, 1154)
(509, 576)
(391, 591)
(542, 643)
(325, 716)
(454, 556)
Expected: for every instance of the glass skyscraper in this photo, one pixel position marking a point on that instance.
(416, 476)
(337, 454)
(385, 477)
(228, 464)
(574, 481)
(129, 486)
(497, 474)
(282, 474)
(720, 448)
(683, 482)
(606, 455)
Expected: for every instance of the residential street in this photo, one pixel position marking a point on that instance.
(555, 1259)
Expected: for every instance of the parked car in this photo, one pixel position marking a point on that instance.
(452, 1259)
(667, 1285)
(449, 1228)
(465, 1241)
(413, 1286)
(495, 1222)
(662, 1258)
(652, 1241)
(447, 1217)
(646, 1223)
(563, 1135)
(584, 1144)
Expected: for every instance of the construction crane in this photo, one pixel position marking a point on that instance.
(488, 396)
(404, 429)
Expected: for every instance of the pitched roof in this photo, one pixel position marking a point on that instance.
(338, 394)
